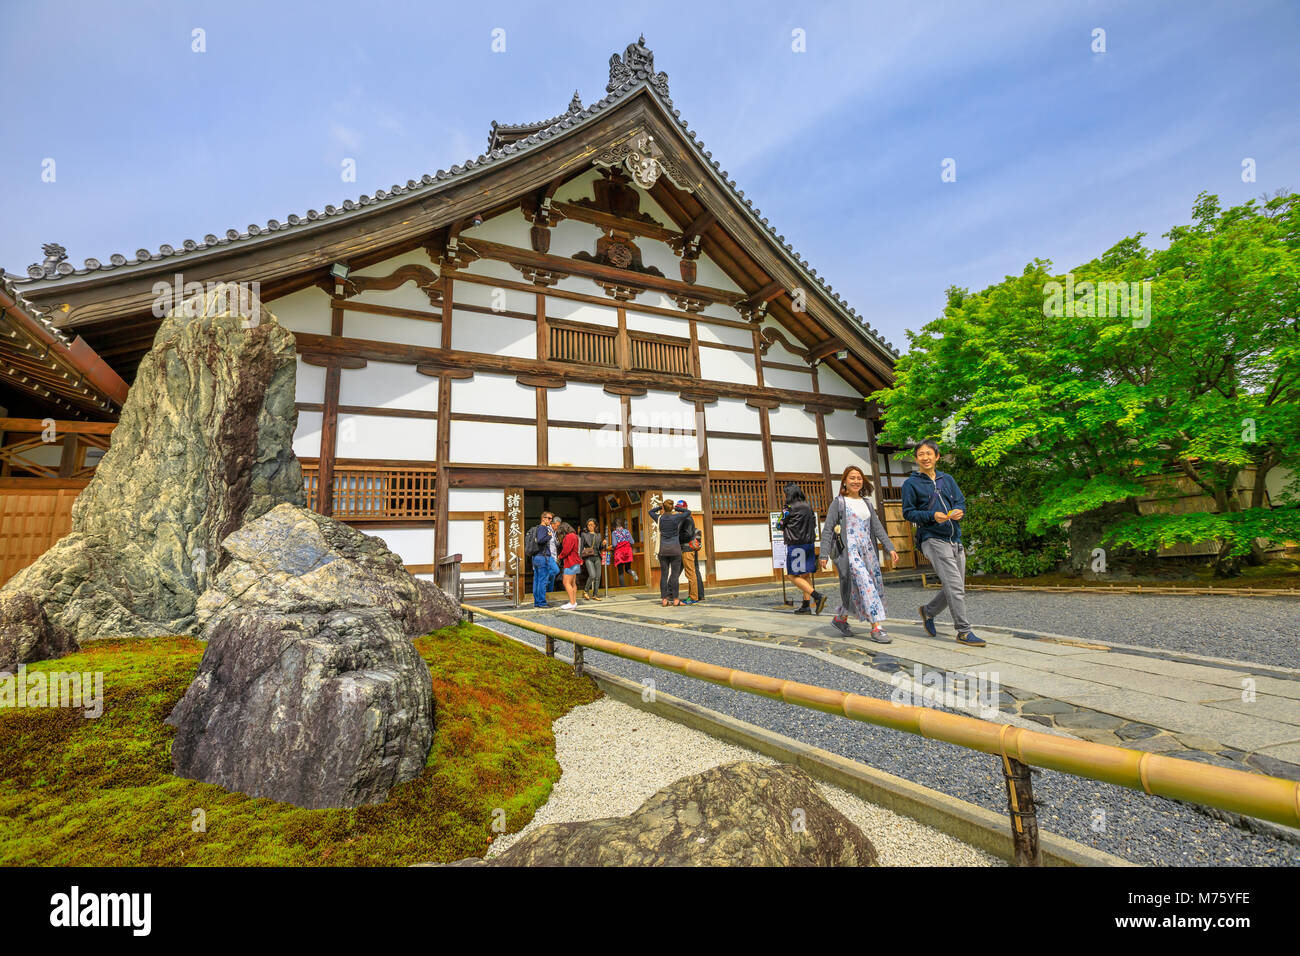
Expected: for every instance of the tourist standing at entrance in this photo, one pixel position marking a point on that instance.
(933, 502)
(669, 521)
(850, 539)
(799, 528)
(538, 547)
(590, 545)
(570, 563)
(690, 541)
(623, 543)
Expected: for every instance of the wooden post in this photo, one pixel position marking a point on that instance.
(577, 660)
(442, 483)
(550, 646)
(1024, 822)
(68, 458)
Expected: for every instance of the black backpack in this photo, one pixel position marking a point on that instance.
(531, 547)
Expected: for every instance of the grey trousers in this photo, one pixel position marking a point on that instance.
(949, 561)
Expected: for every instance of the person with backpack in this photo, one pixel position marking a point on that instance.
(799, 528)
(851, 538)
(691, 542)
(669, 521)
(538, 548)
(933, 502)
(623, 551)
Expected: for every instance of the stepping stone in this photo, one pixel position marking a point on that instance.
(1161, 743)
(1045, 705)
(1038, 719)
(1274, 767)
(1133, 731)
(1096, 736)
(1195, 742)
(1089, 719)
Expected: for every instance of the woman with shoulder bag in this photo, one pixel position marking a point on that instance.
(591, 544)
(850, 538)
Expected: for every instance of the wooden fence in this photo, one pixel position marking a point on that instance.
(30, 521)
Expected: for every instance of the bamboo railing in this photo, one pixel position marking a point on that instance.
(1251, 794)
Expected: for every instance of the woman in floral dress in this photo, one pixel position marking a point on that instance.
(850, 538)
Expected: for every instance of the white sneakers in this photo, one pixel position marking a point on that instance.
(568, 607)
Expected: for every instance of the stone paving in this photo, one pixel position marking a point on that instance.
(1217, 711)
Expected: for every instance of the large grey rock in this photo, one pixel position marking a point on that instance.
(205, 442)
(739, 814)
(317, 710)
(26, 634)
(292, 561)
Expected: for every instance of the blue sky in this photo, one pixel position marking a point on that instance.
(1060, 151)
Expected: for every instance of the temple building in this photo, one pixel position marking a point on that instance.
(586, 318)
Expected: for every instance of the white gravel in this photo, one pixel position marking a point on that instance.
(613, 757)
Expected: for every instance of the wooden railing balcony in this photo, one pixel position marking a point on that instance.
(652, 353)
(589, 344)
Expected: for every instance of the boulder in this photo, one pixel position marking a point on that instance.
(292, 561)
(314, 709)
(204, 443)
(26, 634)
(739, 814)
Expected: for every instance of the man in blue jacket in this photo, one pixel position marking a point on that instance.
(933, 502)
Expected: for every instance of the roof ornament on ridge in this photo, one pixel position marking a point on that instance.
(54, 254)
(637, 61)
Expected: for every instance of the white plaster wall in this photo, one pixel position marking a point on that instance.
(306, 438)
(583, 402)
(488, 443)
(586, 447)
(693, 501)
(573, 311)
(841, 457)
(416, 257)
(734, 454)
(310, 383)
(724, 334)
(476, 499)
(494, 297)
(494, 334)
(412, 545)
(665, 452)
(724, 365)
(510, 228)
(832, 384)
(570, 235)
(845, 425)
(708, 272)
(375, 436)
(793, 421)
(784, 378)
(307, 310)
(392, 328)
(408, 295)
(732, 569)
(491, 394)
(778, 352)
(732, 415)
(795, 456)
(741, 537)
(387, 385)
(466, 539)
(661, 410)
(577, 188)
(658, 324)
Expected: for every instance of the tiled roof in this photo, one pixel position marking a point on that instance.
(626, 76)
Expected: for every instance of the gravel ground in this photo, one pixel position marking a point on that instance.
(1259, 630)
(1143, 829)
(615, 757)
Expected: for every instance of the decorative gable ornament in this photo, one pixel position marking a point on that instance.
(641, 156)
(637, 62)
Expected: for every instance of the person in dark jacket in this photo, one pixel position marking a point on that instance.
(799, 528)
(933, 502)
(590, 546)
(690, 541)
(540, 548)
(669, 521)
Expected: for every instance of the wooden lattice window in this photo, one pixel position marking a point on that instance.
(575, 342)
(366, 493)
(739, 497)
(653, 353)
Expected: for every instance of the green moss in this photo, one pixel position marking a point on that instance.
(77, 791)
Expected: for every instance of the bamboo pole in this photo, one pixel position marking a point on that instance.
(1251, 794)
